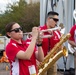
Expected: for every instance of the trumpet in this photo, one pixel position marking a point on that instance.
(52, 29)
(43, 31)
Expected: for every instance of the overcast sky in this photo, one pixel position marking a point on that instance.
(3, 4)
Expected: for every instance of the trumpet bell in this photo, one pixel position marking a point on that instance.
(74, 14)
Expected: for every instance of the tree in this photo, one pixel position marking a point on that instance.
(31, 17)
(27, 15)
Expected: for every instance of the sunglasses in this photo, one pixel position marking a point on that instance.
(16, 30)
(55, 19)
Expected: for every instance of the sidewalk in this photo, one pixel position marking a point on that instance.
(6, 71)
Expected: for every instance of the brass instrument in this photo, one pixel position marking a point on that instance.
(71, 49)
(46, 30)
(42, 31)
(53, 55)
(74, 14)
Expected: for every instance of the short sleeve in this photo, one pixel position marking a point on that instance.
(72, 33)
(11, 51)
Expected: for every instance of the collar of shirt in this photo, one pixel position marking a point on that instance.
(13, 41)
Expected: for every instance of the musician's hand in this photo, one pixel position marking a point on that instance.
(50, 32)
(35, 31)
(40, 39)
(72, 46)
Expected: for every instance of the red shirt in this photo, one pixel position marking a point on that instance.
(49, 43)
(19, 66)
(73, 34)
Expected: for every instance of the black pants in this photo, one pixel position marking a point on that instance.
(71, 71)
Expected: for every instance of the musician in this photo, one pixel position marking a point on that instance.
(72, 44)
(22, 56)
(49, 43)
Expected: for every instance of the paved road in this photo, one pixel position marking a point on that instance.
(4, 70)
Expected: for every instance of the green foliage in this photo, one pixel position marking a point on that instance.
(31, 17)
(27, 15)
